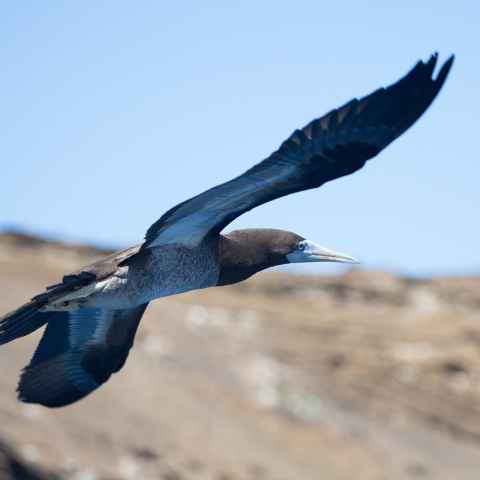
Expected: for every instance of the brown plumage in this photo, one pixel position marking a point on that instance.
(242, 253)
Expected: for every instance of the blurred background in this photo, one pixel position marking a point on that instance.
(112, 112)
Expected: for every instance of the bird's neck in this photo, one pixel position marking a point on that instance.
(239, 259)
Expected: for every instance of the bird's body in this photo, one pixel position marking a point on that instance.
(148, 275)
(93, 314)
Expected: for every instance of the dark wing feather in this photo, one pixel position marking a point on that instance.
(78, 352)
(21, 322)
(96, 271)
(29, 317)
(337, 144)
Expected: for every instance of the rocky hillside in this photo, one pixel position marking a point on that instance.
(364, 375)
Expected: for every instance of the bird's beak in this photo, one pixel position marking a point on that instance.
(312, 252)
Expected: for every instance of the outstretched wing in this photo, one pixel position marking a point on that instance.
(337, 144)
(78, 352)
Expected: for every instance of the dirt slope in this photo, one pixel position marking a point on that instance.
(364, 376)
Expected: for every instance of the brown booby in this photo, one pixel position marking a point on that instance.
(93, 314)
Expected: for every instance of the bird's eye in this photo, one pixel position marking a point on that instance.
(301, 246)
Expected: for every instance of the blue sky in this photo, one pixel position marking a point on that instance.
(112, 112)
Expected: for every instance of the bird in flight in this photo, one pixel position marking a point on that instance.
(92, 315)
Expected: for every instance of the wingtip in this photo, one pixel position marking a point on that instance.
(450, 59)
(444, 71)
(429, 67)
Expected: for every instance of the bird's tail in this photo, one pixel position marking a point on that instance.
(22, 321)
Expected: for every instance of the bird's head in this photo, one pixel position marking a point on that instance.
(246, 252)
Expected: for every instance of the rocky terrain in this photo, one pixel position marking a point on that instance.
(362, 376)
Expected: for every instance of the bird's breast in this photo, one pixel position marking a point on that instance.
(173, 269)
